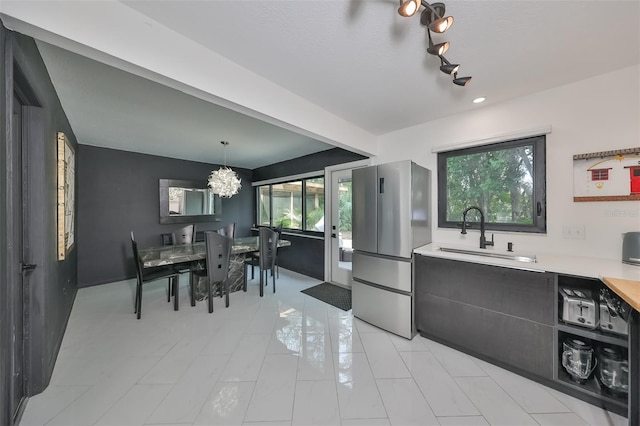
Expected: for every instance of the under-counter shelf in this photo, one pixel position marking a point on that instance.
(592, 387)
(594, 335)
(589, 294)
(593, 390)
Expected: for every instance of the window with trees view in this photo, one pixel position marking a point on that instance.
(297, 204)
(506, 180)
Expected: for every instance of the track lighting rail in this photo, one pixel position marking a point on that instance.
(433, 17)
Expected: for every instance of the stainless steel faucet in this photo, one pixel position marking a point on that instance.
(483, 241)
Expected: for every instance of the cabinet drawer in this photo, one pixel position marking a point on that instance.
(523, 344)
(523, 294)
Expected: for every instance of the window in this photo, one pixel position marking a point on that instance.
(314, 206)
(264, 205)
(297, 204)
(286, 201)
(506, 180)
(600, 174)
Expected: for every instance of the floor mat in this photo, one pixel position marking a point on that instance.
(332, 294)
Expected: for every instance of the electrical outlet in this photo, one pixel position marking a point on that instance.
(573, 232)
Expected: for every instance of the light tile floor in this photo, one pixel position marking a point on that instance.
(285, 359)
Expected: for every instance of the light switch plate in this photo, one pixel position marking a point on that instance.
(573, 232)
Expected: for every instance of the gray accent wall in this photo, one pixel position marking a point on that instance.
(51, 288)
(305, 256)
(118, 193)
(305, 164)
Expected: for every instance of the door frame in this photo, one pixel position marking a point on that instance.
(13, 296)
(22, 164)
(328, 206)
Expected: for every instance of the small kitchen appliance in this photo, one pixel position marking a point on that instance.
(578, 359)
(631, 248)
(613, 369)
(578, 308)
(612, 309)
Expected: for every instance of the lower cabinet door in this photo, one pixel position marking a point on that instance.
(516, 342)
(387, 310)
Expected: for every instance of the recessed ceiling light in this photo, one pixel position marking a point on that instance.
(479, 100)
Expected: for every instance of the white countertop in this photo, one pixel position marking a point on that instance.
(581, 266)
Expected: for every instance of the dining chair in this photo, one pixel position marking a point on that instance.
(278, 229)
(166, 239)
(228, 230)
(218, 257)
(268, 243)
(184, 235)
(254, 258)
(152, 274)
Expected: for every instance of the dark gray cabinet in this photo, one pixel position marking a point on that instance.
(512, 318)
(501, 314)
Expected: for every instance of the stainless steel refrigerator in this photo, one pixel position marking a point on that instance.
(390, 217)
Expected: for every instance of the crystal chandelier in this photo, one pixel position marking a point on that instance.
(224, 181)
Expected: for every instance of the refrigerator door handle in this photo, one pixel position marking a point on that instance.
(382, 185)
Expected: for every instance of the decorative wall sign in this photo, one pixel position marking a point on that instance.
(607, 176)
(66, 196)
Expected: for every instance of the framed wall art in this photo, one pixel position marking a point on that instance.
(66, 196)
(607, 176)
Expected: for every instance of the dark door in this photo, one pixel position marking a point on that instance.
(17, 391)
(635, 179)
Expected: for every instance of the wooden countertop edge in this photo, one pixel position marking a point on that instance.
(629, 290)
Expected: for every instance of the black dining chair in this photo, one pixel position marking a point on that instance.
(166, 239)
(253, 259)
(268, 243)
(184, 235)
(228, 230)
(217, 267)
(152, 274)
(278, 230)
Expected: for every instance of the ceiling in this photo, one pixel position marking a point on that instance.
(108, 107)
(358, 60)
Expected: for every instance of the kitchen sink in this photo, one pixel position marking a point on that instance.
(516, 257)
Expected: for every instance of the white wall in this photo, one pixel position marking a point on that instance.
(597, 114)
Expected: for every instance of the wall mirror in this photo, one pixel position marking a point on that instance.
(188, 201)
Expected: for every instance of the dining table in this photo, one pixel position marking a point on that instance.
(186, 256)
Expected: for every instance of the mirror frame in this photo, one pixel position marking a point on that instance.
(165, 217)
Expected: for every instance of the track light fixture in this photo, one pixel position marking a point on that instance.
(447, 67)
(461, 81)
(438, 49)
(408, 8)
(433, 17)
